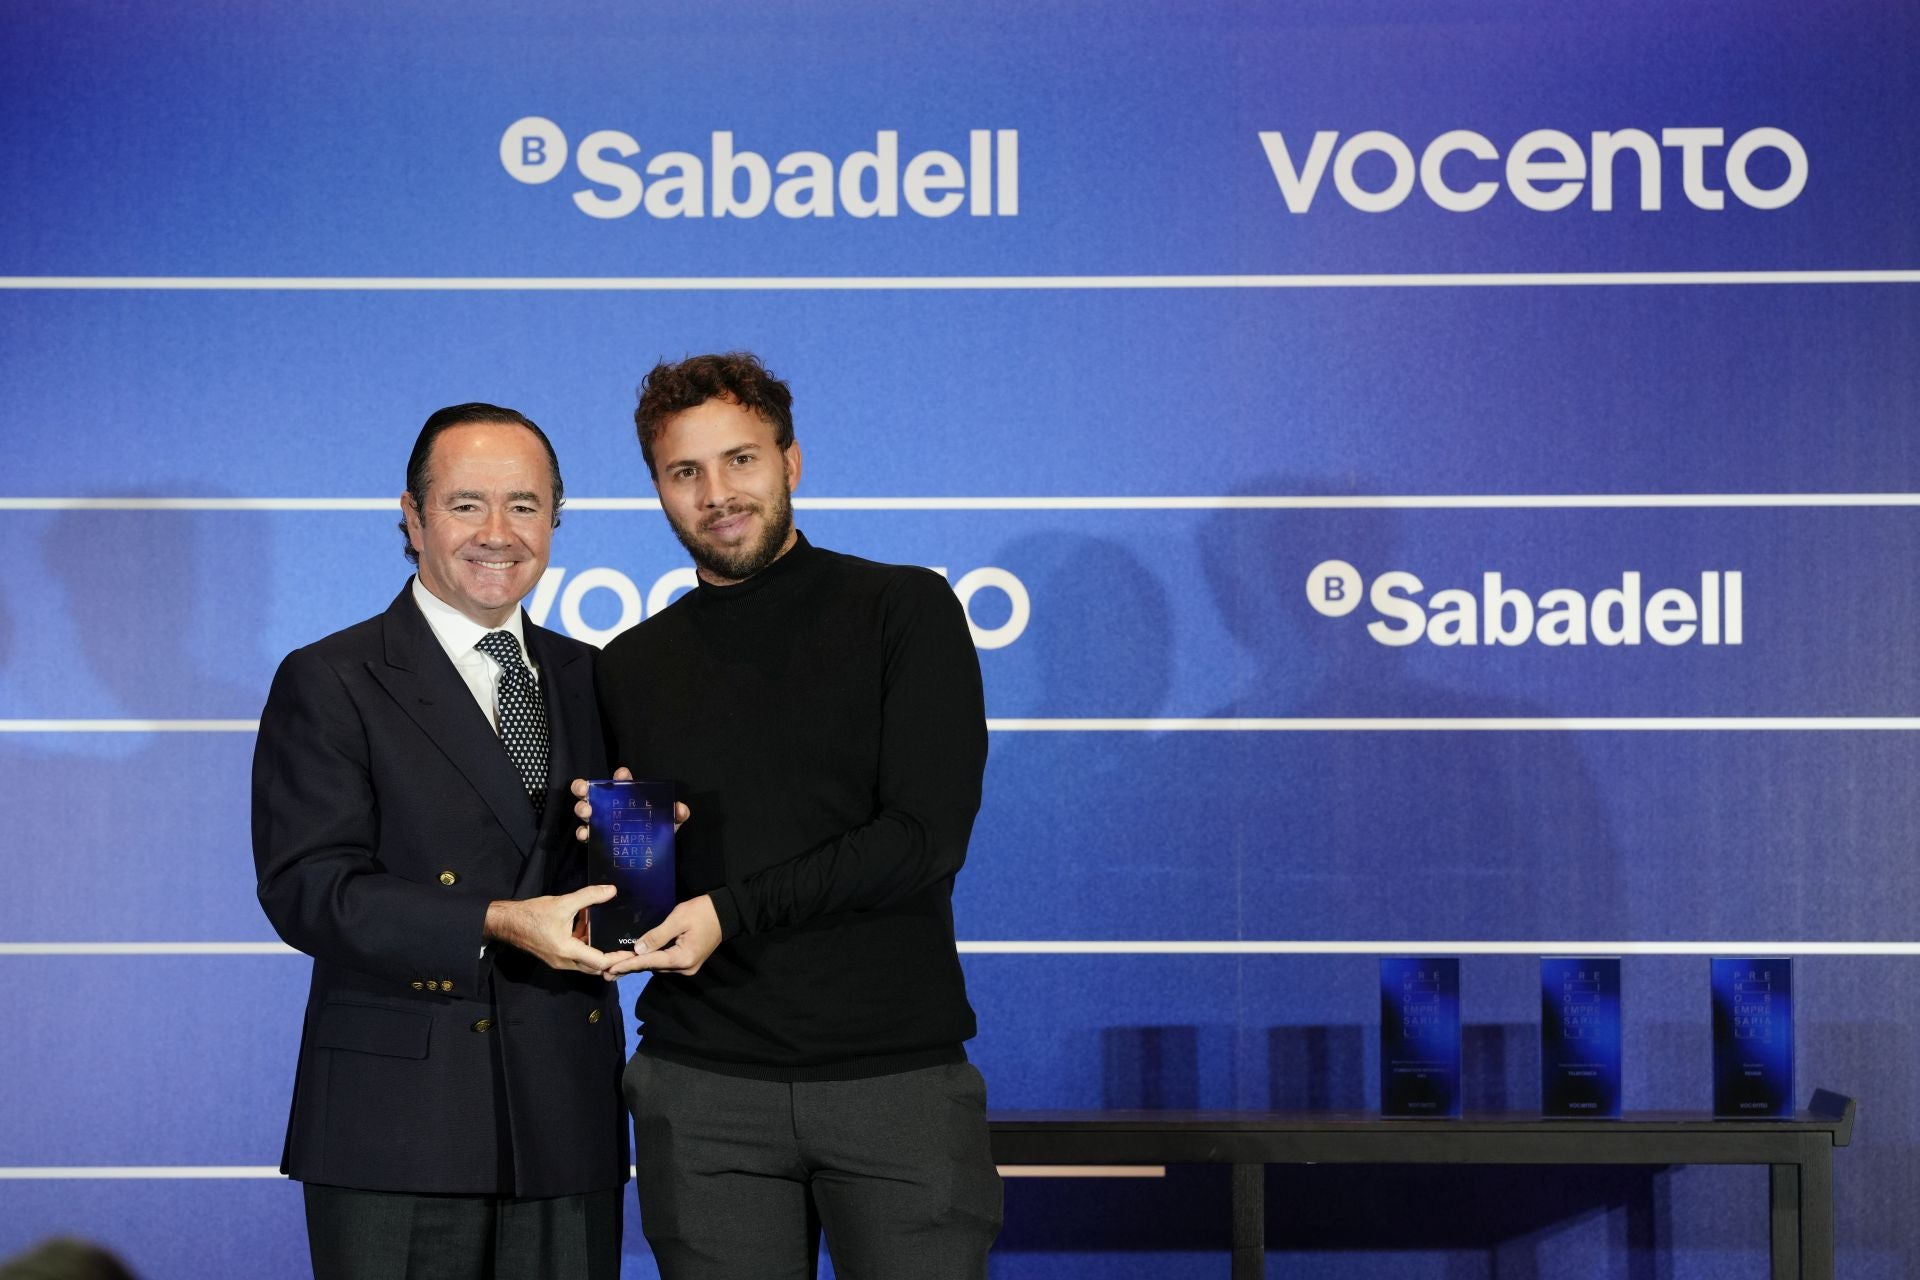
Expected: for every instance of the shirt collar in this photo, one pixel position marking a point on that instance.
(456, 632)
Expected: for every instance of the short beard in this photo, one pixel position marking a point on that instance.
(742, 563)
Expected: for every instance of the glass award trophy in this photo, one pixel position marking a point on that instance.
(1752, 1038)
(630, 846)
(1580, 1037)
(1419, 1037)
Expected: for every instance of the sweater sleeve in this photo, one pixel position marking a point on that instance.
(931, 755)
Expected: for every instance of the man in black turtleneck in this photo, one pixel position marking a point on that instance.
(801, 1062)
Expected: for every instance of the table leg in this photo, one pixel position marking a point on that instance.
(1816, 1216)
(1249, 1221)
(1784, 1216)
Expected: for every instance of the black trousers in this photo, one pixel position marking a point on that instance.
(737, 1178)
(386, 1235)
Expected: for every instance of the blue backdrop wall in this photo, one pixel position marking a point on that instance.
(1169, 332)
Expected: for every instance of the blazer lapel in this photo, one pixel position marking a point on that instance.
(422, 681)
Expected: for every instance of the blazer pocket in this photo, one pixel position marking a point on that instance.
(367, 1028)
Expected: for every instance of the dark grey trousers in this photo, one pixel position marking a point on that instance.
(385, 1235)
(738, 1177)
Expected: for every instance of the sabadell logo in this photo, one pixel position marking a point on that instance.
(724, 180)
(1499, 614)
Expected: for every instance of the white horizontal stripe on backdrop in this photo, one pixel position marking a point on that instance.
(765, 284)
(1302, 724)
(210, 1172)
(1277, 502)
(1202, 947)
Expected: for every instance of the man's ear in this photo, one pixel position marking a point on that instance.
(790, 459)
(416, 531)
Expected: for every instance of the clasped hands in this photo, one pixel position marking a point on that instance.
(554, 928)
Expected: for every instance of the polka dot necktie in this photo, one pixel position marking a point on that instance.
(523, 717)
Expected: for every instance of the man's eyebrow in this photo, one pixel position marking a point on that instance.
(452, 496)
(746, 447)
(475, 495)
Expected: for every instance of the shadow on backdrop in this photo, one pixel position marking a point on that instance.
(162, 614)
(1378, 834)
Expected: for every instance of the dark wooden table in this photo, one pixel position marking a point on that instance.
(1799, 1153)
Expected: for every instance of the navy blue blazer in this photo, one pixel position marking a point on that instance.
(386, 816)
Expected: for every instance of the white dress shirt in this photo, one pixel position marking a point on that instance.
(457, 634)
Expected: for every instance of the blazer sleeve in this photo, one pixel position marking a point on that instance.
(316, 829)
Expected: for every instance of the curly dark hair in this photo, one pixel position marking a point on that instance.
(738, 376)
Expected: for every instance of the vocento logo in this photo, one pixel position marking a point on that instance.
(1001, 619)
(1504, 615)
(1544, 170)
(726, 181)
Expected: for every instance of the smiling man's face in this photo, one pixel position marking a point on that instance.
(484, 534)
(726, 488)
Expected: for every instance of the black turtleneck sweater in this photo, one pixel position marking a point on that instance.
(823, 721)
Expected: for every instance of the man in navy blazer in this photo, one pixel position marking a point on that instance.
(457, 1107)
